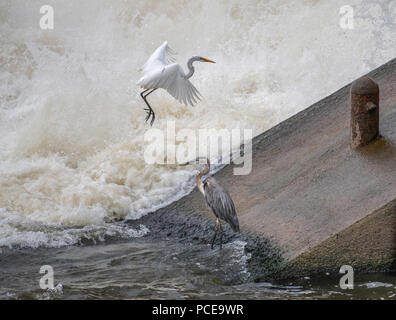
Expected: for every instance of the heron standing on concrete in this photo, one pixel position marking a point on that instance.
(218, 200)
(159, 73)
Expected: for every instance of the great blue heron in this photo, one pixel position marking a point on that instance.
(218, 200)
(159, 73)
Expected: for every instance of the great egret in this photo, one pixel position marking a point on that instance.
(159, 73)
(218, 200)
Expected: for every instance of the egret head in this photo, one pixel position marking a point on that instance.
(200, 59)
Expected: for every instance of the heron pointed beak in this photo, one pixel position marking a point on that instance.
(207, 60)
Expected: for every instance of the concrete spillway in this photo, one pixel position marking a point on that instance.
(322, 203)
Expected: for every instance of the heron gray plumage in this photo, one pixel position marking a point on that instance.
(158, 72)
(219, 201)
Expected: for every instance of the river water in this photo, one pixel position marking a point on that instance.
(146, 269)
(72, 128)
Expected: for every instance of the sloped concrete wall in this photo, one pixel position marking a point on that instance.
(367, 245)
(307, 186)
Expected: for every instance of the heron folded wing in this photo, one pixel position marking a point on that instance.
(219, 200)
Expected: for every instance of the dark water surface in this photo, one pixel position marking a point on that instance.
(144, 268)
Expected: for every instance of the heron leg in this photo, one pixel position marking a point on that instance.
(214, 236)
(149, 110)
(221, 235)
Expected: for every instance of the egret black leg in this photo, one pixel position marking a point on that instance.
(214, 236)
(143, 92)
(149, 110)
(152, 118)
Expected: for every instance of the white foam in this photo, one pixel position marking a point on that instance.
(72, 120)
(240, 257)
(50, 294)
(19, 231)
(376, 284)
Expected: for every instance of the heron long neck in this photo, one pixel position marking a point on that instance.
(201, 174)
(191, 67)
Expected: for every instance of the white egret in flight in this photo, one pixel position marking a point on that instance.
(158, 72)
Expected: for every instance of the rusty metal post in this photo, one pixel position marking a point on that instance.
(364, 112)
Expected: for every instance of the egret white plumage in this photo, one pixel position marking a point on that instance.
(159, 72)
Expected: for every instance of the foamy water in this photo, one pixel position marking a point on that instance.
(72, 121)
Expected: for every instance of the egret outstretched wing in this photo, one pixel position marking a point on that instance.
(171, 78)
(161, 57)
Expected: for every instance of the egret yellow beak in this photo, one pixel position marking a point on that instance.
(207, 60)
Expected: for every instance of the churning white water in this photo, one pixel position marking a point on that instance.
(72, 121)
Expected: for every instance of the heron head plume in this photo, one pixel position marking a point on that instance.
(202, 172)
(196, 161)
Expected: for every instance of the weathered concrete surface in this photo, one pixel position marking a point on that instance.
(307, 185)
(367, 245)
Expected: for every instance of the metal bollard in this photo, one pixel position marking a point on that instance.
(364, 112)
